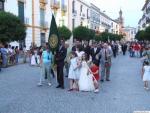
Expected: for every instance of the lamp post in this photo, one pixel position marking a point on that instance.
(2, 5)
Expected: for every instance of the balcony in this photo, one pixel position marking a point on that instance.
(43, 1)
(88, 17)
(26, 20)
(64, 8)
(147, 20)
(21, 1)
(55, 4)
(74, 12)
(148, 10)
(144, 25)
(44, 24)
(82, 15)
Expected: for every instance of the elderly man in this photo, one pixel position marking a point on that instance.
(105, 62)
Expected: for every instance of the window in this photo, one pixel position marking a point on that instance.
(81, 7)
(42, 17)
(42, 38)
(21, 11)
(112, 24)
(116, 26)
(87, 13)
(73, 23)
(1, 5)
(81, 23)
(73, 6)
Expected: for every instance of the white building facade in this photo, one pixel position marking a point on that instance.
(105, 23)
(36, 14)
(79, 13)
(145, 19)
(130, 33)
(94, 17)
(114, 27)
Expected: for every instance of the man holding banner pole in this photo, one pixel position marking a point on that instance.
(59, 59)
(59, 51)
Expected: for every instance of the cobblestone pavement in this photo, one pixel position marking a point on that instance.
(123, 94)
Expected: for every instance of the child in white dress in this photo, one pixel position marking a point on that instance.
(73, 71)
(86, 78)
(146, 74)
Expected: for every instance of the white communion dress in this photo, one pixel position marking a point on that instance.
(146, 76)
(86, 80)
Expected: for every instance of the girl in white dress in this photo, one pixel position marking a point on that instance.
(73, 71)
(86, 78)
(33, 60)
(146, 74)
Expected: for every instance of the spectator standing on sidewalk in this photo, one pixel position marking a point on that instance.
(46, 61)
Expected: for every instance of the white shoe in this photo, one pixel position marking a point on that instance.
(39, 84)
(96, 91)
(49, 84)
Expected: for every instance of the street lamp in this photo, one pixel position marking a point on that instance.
(2, 5)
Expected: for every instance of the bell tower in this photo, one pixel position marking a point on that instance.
(121, 18)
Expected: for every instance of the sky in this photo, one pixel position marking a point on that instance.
(131, 9)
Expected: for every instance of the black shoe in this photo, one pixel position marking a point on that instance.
(62, 87)
(58, 86)
(107, 79)
(102, 80)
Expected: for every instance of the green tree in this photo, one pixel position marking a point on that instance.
(91, 34)
(105, 36)
(64, 32)
(140, 35)
(98, 38)
(11, 28)
(81, 33)
(147, 33)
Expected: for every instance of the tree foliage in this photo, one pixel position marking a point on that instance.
(140, 35)
(81, 33)
(147, 33)
(64, 32)
(143, 34)
(105, 36)
(11, 28)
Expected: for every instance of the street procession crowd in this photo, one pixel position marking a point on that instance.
(84, 65)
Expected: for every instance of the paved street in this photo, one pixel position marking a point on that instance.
(123, 94)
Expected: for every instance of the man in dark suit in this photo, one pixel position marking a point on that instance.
(59, 59)
(77, 44)
(114, 47)
(86, 48)
(94, 51)
(124, 48)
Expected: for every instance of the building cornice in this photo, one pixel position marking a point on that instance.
(83, 2)
(95, 7)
